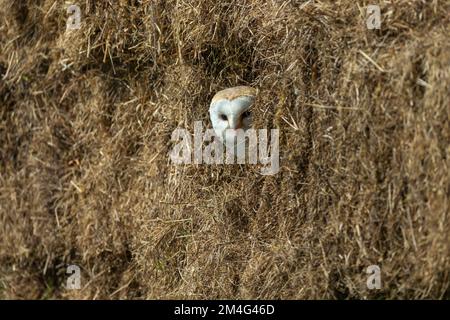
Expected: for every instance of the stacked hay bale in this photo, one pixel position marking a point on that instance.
(86, 118)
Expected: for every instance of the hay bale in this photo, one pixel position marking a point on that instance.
(85, 130)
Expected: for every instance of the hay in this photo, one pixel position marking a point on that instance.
(86, 118)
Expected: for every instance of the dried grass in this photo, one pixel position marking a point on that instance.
(85, 123)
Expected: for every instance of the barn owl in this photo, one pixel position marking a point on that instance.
(230, 111)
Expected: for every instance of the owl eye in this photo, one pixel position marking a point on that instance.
(246, 114)
(223, 117)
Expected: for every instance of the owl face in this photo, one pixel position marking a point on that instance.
(230, 110)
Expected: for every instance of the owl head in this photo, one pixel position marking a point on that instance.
(230, 111)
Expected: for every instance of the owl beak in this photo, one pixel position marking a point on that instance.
(235, 125)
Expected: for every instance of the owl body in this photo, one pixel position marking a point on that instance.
(230, 111)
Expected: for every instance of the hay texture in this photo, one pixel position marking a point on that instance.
(86, 118)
